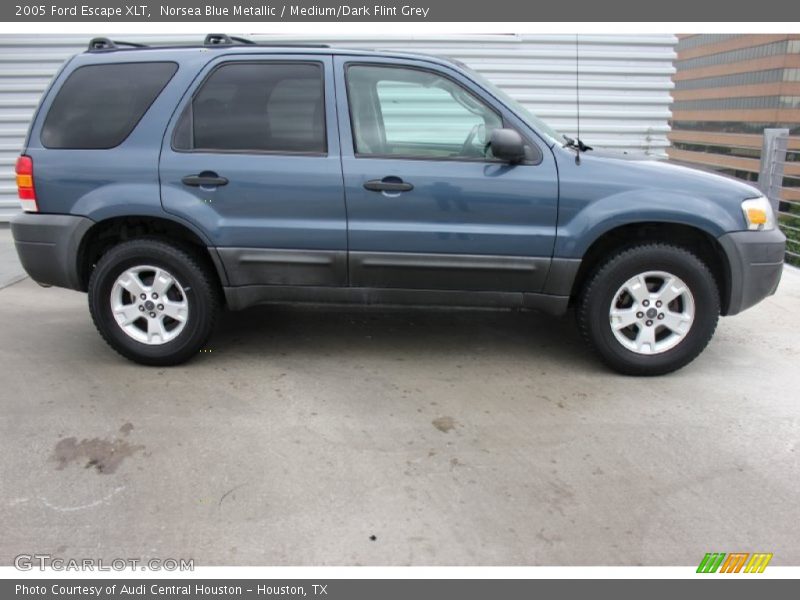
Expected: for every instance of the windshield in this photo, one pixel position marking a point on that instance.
(540, 126)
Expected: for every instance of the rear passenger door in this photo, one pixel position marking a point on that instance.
(251, 156)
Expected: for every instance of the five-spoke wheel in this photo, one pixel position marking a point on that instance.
(153, 302)
(149, 304)
(649, 309)
(652, 312)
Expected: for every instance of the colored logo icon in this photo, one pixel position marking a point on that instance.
(735, 562)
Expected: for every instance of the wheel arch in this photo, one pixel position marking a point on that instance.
(106, 233)
(704, 245)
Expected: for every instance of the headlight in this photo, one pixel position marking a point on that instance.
(758, 214)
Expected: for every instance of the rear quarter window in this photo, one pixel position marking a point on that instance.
(98, 106)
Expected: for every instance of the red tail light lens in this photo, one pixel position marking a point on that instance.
(27, 195)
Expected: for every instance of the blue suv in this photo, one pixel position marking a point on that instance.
(170, 182)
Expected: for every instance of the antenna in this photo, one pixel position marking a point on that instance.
(578, 98)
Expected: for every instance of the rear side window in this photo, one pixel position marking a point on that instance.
(98, 106)
(257, 107)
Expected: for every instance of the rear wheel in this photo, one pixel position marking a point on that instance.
(649, 310)
(153, 302)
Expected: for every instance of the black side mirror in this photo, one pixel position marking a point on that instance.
(507, 145)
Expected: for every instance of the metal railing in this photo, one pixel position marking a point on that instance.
(772, 180)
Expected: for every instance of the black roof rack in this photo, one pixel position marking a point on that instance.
(103, 44)
(221, 39)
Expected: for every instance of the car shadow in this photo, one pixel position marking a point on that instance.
(399, 332)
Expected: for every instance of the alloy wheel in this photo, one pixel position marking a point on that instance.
(652, 312)
(149, 304)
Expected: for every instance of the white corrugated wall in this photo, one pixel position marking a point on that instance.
(625, 82)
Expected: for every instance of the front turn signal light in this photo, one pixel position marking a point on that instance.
(758, 214)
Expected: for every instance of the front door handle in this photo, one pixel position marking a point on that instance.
(388, 184)
(204, 179)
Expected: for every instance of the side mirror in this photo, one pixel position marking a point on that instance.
(507, 145)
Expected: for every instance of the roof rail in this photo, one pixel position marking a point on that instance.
(99, 44)
(222, 39)
(104, 44)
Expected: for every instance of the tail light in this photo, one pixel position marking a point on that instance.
(27, 195)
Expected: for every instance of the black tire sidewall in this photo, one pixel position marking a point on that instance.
(620, 269)
(186, 272)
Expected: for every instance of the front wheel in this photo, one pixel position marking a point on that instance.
(649, 310)
(153, 302)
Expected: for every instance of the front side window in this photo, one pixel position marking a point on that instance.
(418, 114)
(100, 105)
(257, 107)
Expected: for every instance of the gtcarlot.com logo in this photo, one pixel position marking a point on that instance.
(735, 562)
(28, 562)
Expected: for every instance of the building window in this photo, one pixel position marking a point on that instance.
(749, 78)
(790, 102)
(738, 174)
(704, 39)
(791, 75)
(739, 55)
(746, 103)
(733, 126)
(724, 150)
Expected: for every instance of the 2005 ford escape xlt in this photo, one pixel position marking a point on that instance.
(170, 182)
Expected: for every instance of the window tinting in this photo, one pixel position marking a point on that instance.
(416, 113)
(98, 106)
(257, 107)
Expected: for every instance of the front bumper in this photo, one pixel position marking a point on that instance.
(755, 260)
(47, 246)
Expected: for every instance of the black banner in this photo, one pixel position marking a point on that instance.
(733, 588)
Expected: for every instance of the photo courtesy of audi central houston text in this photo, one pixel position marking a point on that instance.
(399, 299)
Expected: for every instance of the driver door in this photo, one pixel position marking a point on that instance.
(427, 208)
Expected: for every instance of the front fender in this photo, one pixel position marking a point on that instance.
(581, 222)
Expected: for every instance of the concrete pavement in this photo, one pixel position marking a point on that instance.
(451, 438)
(10, 269)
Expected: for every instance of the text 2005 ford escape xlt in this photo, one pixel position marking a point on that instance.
(170, 182)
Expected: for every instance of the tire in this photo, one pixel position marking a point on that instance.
(189, 294)
(662, 338)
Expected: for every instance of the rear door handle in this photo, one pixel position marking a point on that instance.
(388, 184)
(204, 179)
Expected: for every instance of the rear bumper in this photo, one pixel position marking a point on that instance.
(755, 259)
(47, 246)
